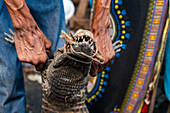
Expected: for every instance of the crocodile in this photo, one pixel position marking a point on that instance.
(65, 77)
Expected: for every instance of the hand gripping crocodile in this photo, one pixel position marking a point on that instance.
(65, 78)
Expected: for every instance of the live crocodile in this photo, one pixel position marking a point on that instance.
(65, 78)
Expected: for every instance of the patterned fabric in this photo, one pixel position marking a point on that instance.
(49, 15)
(129, 84)
(167, 69)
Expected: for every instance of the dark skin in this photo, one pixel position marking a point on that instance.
(32, 46)
(100, 25)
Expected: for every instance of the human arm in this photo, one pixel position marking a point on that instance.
(31, 44)
(100, 30)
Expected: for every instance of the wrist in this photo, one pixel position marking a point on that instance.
(20, 14)
(14, 4)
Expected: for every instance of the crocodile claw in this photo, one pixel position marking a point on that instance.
(117, 46)
(10, 38)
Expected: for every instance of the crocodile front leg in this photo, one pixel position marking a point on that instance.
(10, 38)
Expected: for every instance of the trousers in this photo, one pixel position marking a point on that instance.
(50, 17)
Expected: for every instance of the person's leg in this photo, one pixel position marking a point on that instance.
(50, 17)
(12, 93)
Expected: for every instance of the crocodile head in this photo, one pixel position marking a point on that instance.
(82, 46)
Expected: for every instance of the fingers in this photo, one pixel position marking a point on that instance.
(37, 59)
(30, 55)
(40, 67)
(46, 41)
(47, 45)
(48, 52)
(33, 58)
(33, 48)
(94, 69)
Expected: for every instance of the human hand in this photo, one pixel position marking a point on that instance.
(100, 30)
(32, 46)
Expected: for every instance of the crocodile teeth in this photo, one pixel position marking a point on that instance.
(91, 44)
(92, 47)
(84, 39)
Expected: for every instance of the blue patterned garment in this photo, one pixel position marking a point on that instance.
(167, 68)
(49, 15)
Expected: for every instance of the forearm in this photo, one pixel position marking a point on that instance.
(100, 28)
(101, 17)
(31, 44)
(20, 14)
